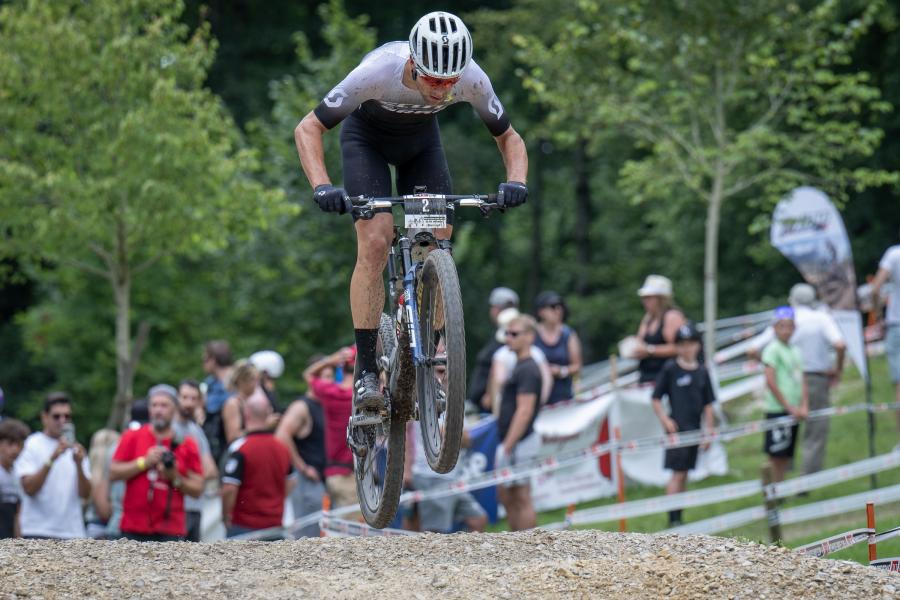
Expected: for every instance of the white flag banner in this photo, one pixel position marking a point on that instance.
(810, 232)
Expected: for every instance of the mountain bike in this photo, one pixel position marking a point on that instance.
(421, 350)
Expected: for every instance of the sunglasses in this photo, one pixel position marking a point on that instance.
(514, 334)
(438, 82)
(61, 417)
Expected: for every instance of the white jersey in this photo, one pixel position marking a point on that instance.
(890, 262)
(376, 89)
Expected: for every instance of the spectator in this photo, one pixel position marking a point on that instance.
(519, 407)
(270, 365)
(55, 475)
(889, 271)
(244, 381)
(816, 333)
(218, 365)
(660, 323)
(190, 398)
(504, 361)
(560, 344)
(100, 508)
(13, 434)
(438, 515)
(500, 299)
(255, 479)
(337, 402)
(302, 431)
(786, 392)
(690, 392)
(159, 470)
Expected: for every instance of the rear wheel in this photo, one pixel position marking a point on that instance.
(379, 472)
(441, 381)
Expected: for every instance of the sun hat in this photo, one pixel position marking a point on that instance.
(802, 294)
(656, 285)
(269, 361)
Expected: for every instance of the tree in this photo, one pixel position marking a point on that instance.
(114, 155)
(724, 100)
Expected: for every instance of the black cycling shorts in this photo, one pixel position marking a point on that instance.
(367, 151)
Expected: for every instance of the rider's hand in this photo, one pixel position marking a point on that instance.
(330, 198)
(511, 194)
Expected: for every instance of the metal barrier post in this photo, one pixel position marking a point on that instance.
(620, 476)
(771, 505)
(870, 523)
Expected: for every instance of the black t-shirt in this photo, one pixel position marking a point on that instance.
(312, 448)
(525, 379)
(688, 391)
(9, 502)
(479, 378)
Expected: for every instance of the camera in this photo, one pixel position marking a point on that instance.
(168, 459)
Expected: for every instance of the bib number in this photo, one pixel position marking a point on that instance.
(425, 213)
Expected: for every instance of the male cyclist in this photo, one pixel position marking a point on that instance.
(388, 105)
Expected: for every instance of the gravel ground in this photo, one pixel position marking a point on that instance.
(570, 564)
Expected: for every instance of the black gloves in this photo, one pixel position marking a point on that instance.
(330, 198)
(512, 194)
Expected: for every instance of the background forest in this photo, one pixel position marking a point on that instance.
(151, 197)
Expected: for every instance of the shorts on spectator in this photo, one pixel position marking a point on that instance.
(681, 459)
(892, 349)
(306, 498)
(341, 489)
(441, 514)
(781, 441)
(525, 451)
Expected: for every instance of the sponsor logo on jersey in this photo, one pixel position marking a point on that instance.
(495, 107)
(399, 107)
(335, 98)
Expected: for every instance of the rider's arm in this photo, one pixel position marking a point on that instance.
(308, 137)
(515, 156)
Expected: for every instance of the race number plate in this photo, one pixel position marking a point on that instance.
(426, 213)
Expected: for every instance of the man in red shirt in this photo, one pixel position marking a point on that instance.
(258, 474)
(337, 401)
(158, 471)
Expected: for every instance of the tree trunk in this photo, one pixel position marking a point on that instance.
(535, 191)
(121, 288)
(582, 217)
(711, 267)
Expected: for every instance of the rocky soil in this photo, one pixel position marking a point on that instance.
(568, 564)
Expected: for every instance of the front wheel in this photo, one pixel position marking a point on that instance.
(379, 472)
(441, 380)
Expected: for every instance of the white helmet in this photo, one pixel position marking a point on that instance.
(268, 361)
(440, 45)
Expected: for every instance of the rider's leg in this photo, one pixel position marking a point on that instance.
(373, 240)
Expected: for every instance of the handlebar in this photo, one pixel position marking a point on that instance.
(364, 206)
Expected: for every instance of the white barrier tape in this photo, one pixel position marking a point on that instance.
(886, 535)
(536, 467)
(828, 477)
(835, 543)
(789, 516)
(887, 564)
(332, 527)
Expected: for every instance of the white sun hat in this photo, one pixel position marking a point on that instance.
(503, 319)
(656, 285)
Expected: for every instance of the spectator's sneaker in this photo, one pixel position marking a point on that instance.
(367, 392)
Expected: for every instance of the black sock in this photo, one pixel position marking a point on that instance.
(365, 349)
(674, 516)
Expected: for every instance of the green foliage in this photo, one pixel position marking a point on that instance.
(114, 154)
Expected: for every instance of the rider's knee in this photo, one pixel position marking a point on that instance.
(373, 247)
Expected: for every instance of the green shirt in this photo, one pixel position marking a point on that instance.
(788, 367)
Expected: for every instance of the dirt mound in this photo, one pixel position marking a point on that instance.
(512, 565)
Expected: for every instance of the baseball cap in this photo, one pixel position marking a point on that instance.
(784, 313)
(503, 296)
(656, 285)
(548, 298)
(688, 332)
(165, 389)
(802, 294)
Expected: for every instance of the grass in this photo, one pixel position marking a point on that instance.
(847, 443)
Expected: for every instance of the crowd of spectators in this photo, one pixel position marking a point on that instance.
(227, 438)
